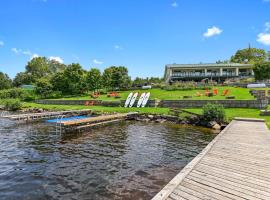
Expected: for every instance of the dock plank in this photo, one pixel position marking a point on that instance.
(235, 165)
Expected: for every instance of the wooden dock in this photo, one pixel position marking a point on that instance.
(235, 165)
(45, 115)
(92, 120)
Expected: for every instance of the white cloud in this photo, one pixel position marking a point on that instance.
(267, 26)
(212, 32)
(15, 50)
(264, 38)
(118, 47)
(56, 58)
(27, 52)
(174, 4)
(97, 62)
(1, 43)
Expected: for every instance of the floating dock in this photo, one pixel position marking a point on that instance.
(90, 122)
(45, 115)
(235, 165)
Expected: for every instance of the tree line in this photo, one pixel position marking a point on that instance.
(50, 76)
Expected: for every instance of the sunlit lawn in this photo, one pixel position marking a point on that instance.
(239, 93)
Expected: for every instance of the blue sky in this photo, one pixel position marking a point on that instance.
(142, 35)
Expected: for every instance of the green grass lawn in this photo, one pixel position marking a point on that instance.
(238, 112)
(239, 93)
(98, 108)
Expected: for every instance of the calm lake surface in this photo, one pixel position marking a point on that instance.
(127, 160)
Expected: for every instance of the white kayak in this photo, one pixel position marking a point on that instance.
(128, 99)
(140, 100)
(145, 100)
(133, 99)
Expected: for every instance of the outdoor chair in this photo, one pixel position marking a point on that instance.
(225, 92)
(215, 91)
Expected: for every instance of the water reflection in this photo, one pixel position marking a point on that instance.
(128, 160)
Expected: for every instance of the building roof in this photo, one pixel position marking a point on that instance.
(207, 65)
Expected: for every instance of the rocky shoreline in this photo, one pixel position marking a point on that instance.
(194, 120)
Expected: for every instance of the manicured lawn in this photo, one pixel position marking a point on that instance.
(238, 112)
(99, 108)
(239, 93)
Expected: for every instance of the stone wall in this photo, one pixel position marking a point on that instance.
(261, 103)
(258, 103)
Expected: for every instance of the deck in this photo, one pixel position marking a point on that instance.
(45, 115)
(235, 165)
(96, 119)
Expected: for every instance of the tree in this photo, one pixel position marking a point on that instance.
(93, 79)
(37, 68)
(71, 80)
(43, 87)
(22, 78)
(120, 78)
(107, 78)
(5, 81)
(55, 66)
(249, 55)
(262, 71)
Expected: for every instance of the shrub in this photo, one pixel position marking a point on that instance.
(213, 112)
(12, 104)
(17, 93)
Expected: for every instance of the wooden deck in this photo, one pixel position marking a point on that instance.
(235, 165)
(92, 120)
(45, 115)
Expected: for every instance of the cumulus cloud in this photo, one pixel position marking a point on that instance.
(1, 43)
(97, 62)
(56, 58)
(24, 52)
(264, 37)
(174, 4)
(212, 32)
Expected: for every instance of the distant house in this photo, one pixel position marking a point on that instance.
(29, 87)
(213, 71)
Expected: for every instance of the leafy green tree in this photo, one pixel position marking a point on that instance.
(94, 79)
(5, 81)
(22, 78)
(107, 78)
(120, 78)
(249, 55)
(55, 66)
(43, 87)
(71, 80)
(37, 67)
(262, 71)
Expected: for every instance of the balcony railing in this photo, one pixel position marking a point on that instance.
(224, 74)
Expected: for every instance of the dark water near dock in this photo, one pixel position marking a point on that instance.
(127, 160)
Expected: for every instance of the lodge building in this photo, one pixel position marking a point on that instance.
(212, 71)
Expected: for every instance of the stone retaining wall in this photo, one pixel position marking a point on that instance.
(259, 103)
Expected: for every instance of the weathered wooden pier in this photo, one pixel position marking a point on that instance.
(235, 165)
(45, 115)
(87, 123)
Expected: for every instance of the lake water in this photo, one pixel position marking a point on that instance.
(127, 160)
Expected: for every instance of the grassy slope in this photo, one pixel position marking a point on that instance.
(99, 108)
(238, 112)
(239, 93)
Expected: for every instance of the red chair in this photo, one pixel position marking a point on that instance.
(215, 91)
(225, 92)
